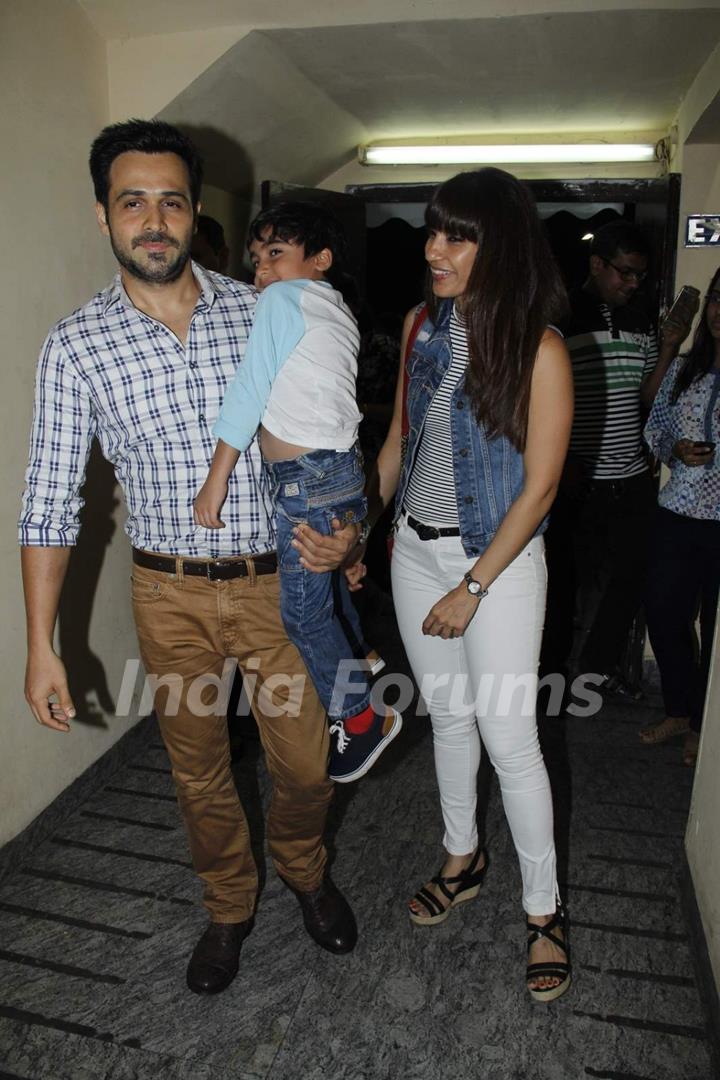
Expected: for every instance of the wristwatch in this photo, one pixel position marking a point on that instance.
(474, 587)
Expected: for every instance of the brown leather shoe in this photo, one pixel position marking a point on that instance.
(215, 959)
(328, 917)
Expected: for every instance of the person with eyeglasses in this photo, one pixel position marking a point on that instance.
(601, 519)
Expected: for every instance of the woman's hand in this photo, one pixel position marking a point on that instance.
(673, 332)
(690, 454)
(449, 618)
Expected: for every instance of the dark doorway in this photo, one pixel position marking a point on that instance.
(570, 209)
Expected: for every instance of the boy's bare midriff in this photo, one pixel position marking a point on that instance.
(275, 449)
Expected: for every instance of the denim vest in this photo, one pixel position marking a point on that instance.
(489, 473)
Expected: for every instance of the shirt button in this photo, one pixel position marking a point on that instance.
(468, 499)
(201, 418)
(464, 452)
(460, 405)
(193, 363)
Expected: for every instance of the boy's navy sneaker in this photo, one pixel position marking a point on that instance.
(352, 756)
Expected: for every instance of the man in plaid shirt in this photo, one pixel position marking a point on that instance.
(143, 368)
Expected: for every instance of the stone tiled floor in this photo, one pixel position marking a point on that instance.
(98, 923)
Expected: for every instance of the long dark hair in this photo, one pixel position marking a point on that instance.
(701, 355)
(513, 292)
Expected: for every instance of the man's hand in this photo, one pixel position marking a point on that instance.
(45, 677)
(324, 553)
(450, 617)
(686, 451)
(208, 503)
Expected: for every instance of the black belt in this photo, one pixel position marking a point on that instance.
(212, 569)
(429, 532)
(617, 485)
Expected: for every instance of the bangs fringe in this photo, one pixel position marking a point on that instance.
(451, 217)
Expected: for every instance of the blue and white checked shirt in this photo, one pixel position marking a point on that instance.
(111, 371)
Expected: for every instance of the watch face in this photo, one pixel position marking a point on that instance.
(474, 587)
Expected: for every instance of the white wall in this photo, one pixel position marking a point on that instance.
(700, 194)
(53, 87)
(698, 158)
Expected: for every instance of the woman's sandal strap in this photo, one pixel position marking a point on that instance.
(430, 902)
(464, 880)
(442, 883)
(557, 969)
(550, 937)
(537, 932)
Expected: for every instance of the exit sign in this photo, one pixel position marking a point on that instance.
(702, 230)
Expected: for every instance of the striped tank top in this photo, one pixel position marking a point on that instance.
(430, 495)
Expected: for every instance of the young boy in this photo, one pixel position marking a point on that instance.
(297, 380)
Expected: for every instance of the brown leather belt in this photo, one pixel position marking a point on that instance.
(213, 569)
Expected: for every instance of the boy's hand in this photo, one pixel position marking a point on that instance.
(208, 503)
(354, 575)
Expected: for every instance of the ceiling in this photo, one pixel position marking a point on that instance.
(294, 97)
(548, 73)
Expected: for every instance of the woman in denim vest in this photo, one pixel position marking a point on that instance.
(489, 409)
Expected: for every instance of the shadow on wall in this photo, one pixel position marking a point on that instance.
(86, 674)
(217, 149)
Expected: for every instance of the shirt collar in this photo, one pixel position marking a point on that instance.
(210, 287)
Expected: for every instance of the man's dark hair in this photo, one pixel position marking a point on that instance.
(146, 137)
(213, 232)
(308, 224)
(619, 236)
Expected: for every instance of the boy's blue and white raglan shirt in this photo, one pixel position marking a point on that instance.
(298, 374)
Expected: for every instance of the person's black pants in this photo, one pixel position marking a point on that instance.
(597, 541)
(683, 575)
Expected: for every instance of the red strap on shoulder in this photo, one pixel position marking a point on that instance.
(419, 320)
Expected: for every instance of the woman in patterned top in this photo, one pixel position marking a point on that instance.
(684, 562)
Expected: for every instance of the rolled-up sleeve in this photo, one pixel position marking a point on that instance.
(658, 433)
(62, 432)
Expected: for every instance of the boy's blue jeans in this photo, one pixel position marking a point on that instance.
(316, 608)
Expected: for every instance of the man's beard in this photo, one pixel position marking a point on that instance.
(163, 268)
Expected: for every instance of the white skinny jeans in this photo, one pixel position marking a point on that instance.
(483, 684)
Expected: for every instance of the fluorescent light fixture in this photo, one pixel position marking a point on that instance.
(510, 154)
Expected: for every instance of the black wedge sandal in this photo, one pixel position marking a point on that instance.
(554, 969)
(468, 882)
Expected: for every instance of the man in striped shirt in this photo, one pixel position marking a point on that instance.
(604, 509)
(143, 367)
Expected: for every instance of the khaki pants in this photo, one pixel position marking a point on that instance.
(187, 627)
